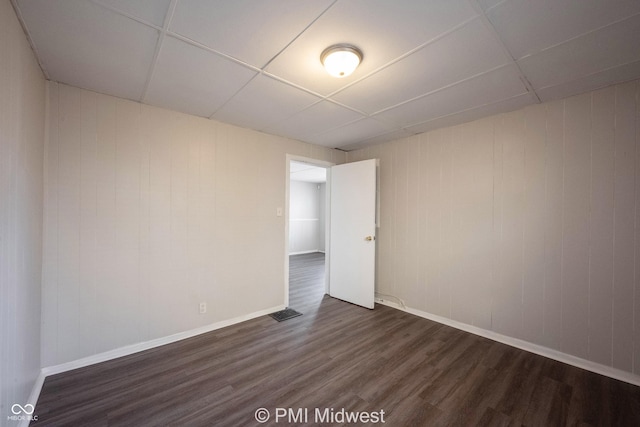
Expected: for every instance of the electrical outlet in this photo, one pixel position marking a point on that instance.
(203, 307)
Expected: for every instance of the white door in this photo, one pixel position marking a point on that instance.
(353, 229)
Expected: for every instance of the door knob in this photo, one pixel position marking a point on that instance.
(369, 238)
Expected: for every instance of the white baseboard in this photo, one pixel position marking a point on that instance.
(146, 345)
(134, 348)
(598, 368)
(315, 251)
(514, 342)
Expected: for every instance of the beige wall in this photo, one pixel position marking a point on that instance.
(526, 224)
(22, 110)
(148, 212)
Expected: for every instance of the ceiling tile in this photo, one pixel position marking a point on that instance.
(487, 4)
(609, 47)
(488, 88)
(315, 119)
(464, 53)
(263, 102)
(266, 27)
(503, 106)
(151, 11)
(186, 78)
(594, 81)
(356, 131)
(383, 30)
(426, 63)
(77, 45)
(527, 26)
(391, 136)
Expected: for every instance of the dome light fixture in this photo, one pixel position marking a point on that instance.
(341, 60)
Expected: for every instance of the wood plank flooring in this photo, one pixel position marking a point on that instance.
(336, 355)
(306, 282)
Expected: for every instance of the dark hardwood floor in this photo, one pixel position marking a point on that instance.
(306, 282)
(336, 355)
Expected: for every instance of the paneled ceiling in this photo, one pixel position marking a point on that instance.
(256, 63)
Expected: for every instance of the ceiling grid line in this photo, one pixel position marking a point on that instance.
(125, 14)
(595, 74)
(577, 37)
(297, 36)
(29, 39)
(405, 55)
(212, 115)
(271, 59)
(440, 89)
(206, 48)
(444, 116)
(487, 23)
(162, 34)
(372, 115)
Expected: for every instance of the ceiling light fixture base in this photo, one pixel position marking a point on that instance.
(340, 60)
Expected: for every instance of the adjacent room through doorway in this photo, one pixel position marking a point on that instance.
(307, 236)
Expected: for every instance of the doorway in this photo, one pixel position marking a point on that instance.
(307, 225)
(350, 223)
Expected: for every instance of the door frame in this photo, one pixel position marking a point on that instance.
(327, 225)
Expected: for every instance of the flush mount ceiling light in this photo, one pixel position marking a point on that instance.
(341, 60)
